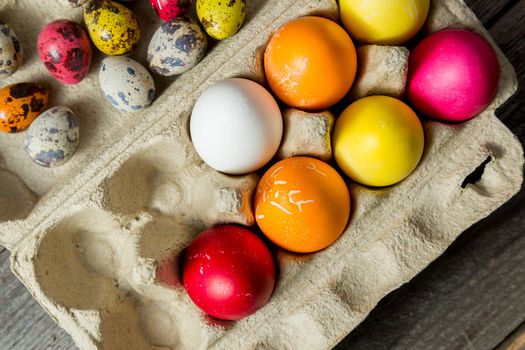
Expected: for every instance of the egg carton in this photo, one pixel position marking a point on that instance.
(94, 240)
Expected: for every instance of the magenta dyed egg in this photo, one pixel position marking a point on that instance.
(228, 272)
(169, 9)
(65, 49)
(453, 75)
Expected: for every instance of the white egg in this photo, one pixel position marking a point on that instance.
(128, 86)
(236, 126)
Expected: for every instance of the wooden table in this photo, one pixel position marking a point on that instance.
(472, 297)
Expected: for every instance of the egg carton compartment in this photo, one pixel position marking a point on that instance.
(100, 251)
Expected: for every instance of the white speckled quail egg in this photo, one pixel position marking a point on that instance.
(176, 47)
(53, 137)
(74, 3)
(11, 55)
(126, 83)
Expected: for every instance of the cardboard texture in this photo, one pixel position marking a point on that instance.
(92, 240)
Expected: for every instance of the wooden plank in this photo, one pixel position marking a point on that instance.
(489, 11)
(509, 33)
(516, 341)
(24, 325)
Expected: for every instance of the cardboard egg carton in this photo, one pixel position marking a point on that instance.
(93, 240)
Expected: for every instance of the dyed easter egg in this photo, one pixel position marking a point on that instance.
(53, 137)
(378, 141)
(221, 18)
(168, 9)
(383, 22)
(11, 55)
(228, 272)
(113, 28)
(20, 104)
(310, 63)
(65, 49)
(236, 126)
(176, 47)
(453, 75)
(128, 86)
(302, 204)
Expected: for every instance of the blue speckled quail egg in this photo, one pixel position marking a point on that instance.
(53, 137)
(126, 83)
(11, 55)
(176, 47)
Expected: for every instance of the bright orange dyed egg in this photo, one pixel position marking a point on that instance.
(302, 204)
(310, 63)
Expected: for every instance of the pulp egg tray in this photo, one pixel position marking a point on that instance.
(92, 240)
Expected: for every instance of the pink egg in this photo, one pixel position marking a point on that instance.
(453, 75)
(169, 9)
(65, 49)
(228, 272)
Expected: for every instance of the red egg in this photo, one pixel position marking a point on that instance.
(228, 272)
(169, 9)
(65, 49)
(453, 75)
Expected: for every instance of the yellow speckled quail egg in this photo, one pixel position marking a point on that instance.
(221, 18)
(113, 28)
(127, 85)
(11, 55)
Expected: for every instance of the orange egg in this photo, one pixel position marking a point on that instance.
(310, 63)
(20, 104)
(302, 204)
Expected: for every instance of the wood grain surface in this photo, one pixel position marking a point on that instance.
(515, 341)
(472, 297)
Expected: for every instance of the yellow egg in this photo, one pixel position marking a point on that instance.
(221, 18)
(113, 28)
(383, 22)
(378, 141)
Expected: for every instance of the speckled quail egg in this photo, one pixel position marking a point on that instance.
(113, 28)
(65, 50)
(168, 9)
(20, 104)
(11, 54)
(53, 137)
(77, 3)
(177, 46)
(126, 83)
(221, 18)
(74, 3)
